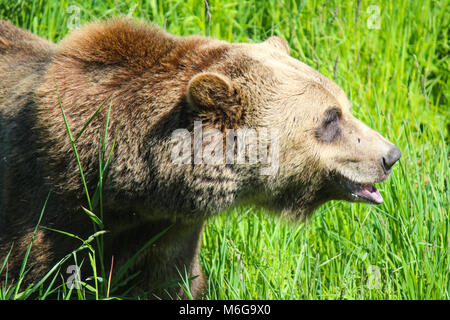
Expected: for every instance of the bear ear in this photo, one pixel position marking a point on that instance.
(209, 91)
(278, 43)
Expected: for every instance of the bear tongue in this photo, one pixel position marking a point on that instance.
(370, 193)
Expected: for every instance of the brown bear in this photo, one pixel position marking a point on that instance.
(191, 124)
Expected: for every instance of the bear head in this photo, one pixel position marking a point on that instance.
(322, 151)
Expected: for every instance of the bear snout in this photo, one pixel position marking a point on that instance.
(388, 160)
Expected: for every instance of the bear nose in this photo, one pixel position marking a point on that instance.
(390, 158)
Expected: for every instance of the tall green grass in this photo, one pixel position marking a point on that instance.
(391, 58)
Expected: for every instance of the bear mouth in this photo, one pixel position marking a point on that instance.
(362, 192)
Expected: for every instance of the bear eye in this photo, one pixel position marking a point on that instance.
(332, 114)
(329, 130)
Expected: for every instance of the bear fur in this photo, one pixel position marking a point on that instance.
(152, 83)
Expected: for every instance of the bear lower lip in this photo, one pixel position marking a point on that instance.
(365, 192)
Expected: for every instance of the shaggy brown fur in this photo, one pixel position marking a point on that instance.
(158, 83)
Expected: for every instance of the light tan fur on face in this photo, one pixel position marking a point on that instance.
(295, 102)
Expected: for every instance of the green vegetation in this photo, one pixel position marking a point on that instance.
(391, 58)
